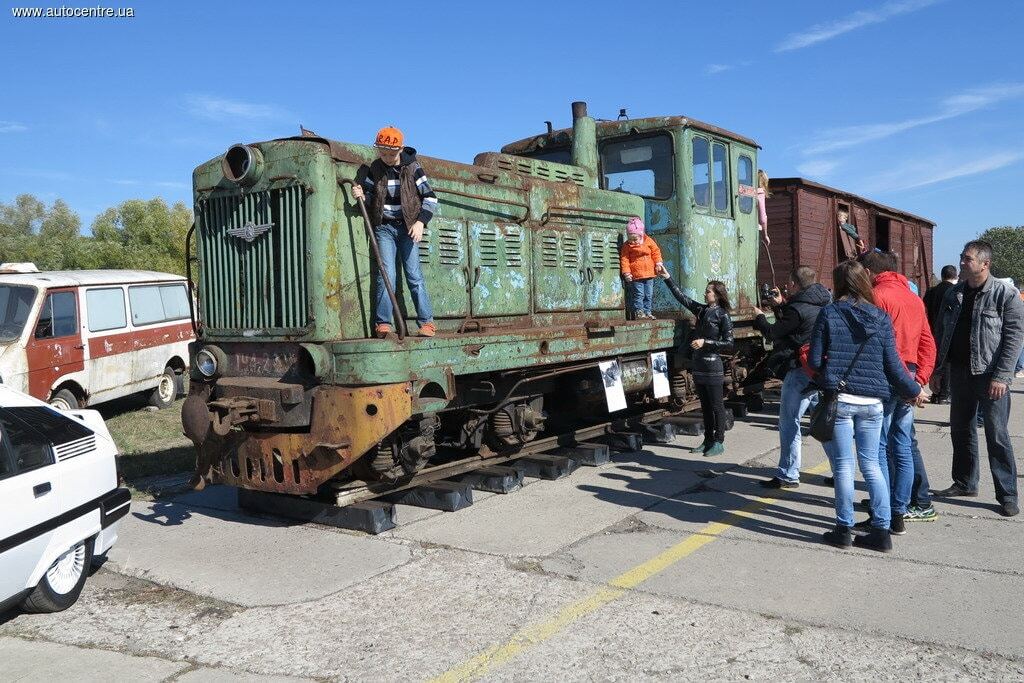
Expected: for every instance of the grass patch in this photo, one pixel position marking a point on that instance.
(150, 442)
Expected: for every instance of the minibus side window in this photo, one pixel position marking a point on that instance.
(105, 309)
(59, 317)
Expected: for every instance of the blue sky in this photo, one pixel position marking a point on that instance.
(914, 103)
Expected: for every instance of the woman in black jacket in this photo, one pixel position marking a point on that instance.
(711, 336)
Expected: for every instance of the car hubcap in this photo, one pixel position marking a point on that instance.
(166, 388)
(63, 574)
(60, 404)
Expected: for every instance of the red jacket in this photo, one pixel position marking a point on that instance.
(914, 339)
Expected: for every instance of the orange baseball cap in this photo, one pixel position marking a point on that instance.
(389, 138)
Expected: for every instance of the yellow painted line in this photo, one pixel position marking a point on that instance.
(535, 634)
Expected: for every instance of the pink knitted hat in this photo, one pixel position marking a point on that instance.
(635, 226)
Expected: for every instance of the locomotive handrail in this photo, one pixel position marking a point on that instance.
(579, 209)
(482, 198)
(188, 278)
(397, 312)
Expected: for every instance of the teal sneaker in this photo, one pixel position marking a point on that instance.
(717, 448)
(920, 514)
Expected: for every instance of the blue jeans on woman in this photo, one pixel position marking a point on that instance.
(794, 403)
(860, 424)
(641, 293)
(394, 242)
(896, 453)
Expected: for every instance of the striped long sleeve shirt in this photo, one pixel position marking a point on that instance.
(393, 202)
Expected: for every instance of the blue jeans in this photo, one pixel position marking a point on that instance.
(863, 425)
(919, 495)
(792, 407)
(895, 452)
(394, 243)
(968, 398)
(641, 292)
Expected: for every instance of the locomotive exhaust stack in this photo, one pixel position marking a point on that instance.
(584, 141)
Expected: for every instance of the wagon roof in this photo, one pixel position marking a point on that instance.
(849, 196)
(608, 129)
(74, 278)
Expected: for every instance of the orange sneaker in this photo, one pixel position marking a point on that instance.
(428, 330)
(382, 330)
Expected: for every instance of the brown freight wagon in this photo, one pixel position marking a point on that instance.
(804, 229)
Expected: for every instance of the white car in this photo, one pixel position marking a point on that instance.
(60, 505)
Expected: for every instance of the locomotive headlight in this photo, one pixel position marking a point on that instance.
(242, 164)
(206, 362)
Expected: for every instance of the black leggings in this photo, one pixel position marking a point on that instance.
(712, 406)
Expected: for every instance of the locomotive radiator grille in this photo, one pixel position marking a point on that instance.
(253, 251)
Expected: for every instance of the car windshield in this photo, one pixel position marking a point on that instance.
(15, 305)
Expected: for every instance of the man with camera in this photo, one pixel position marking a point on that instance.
(794, 320)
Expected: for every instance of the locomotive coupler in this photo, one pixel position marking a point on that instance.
(225, 413)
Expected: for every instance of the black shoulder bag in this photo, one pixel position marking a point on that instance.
(823, 417)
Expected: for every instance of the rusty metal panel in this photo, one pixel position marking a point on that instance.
(345, 424)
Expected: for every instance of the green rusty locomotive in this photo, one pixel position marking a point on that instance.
(289, 388)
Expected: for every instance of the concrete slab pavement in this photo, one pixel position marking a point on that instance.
(244, 559)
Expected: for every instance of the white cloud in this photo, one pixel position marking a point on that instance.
(957, 105)
(717, 68)
(12, 127)
(916, 174)
(819, 33)
(221, 109)
(817, 168)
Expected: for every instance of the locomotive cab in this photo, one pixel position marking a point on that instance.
(697, 183)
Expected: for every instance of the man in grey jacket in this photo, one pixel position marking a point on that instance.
(980, 332)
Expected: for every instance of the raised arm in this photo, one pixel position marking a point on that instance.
(692, 305)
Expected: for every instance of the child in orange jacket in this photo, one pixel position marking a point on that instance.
(640, 261)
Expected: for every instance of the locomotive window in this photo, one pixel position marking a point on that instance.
(745, 177)
(641, 166)
(721, 171)
(701, 172)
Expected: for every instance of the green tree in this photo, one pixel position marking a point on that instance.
(141, 234)
(1007, 251)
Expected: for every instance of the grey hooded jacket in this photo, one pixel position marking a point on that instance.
(997, 328)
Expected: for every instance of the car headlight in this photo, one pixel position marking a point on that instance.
(206, 363)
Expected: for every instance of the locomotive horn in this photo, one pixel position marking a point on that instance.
(399, 319)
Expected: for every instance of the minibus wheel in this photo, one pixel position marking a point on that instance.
(64, 400)
(166, 390)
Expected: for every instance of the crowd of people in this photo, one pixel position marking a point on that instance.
(877, 349)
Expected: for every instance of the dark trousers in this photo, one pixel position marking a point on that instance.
(968, 393)
(943, 393)
(712, 407)
(919, 495)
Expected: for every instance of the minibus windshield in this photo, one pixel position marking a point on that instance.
(15, 305)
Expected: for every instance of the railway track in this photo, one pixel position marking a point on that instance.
(361, 505)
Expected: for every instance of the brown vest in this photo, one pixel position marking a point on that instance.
(411, 202)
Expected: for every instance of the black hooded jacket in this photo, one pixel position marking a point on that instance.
(794, 320)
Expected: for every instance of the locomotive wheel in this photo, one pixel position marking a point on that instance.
(502, 431)
(382, 464)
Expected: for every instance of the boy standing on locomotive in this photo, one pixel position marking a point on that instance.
(401, 203)
(639, 262)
